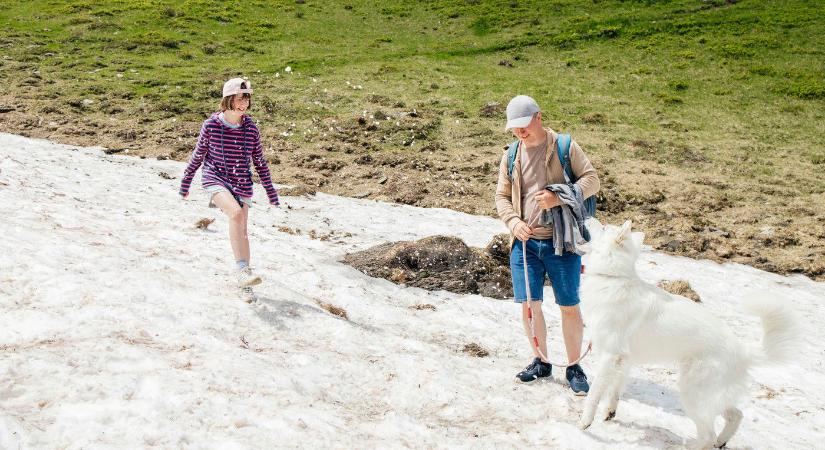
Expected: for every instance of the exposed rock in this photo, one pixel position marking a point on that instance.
(436, 263)
(673, 246)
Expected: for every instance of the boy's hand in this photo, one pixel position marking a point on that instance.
(522, 231)
(546, 199)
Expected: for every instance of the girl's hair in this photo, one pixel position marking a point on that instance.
(228, 102)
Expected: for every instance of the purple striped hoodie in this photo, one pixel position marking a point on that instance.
(225, 153)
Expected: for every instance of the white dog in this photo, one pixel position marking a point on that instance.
(632, 322)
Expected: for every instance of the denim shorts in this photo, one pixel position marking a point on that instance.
(564, 272)
(212, 190)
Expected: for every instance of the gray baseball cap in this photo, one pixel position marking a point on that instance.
(520, 111)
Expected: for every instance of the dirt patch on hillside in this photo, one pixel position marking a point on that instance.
(430, 156)
(436, 263)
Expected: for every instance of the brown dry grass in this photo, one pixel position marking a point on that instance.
(423, 306)
(332, 309)
(475, 350)
(204, 223)
(680, 287)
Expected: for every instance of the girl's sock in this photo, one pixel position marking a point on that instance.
(242, 264)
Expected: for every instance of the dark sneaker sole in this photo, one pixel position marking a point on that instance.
(579, 393)
(520, 381)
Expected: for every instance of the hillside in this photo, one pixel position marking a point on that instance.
(705, 119)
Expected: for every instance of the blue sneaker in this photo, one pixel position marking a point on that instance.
(577, 380)
(537, 369)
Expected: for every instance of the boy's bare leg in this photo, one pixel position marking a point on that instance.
(572, 328)
(539, 325)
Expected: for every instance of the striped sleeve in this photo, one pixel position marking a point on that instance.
(196, 160)
(262, 168)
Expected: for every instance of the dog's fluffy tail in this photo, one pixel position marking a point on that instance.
(781, 329)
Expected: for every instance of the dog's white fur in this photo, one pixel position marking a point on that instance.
(632, 322)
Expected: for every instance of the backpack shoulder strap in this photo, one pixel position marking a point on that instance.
(512, 150)
(563, 150)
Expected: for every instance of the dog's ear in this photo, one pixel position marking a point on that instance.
(624, 232)
(593, 222)
(638, 238)
(594, 227)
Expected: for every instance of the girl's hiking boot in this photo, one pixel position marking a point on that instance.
(537, 369)
(577, 379)
(247, 278)
(248, 295)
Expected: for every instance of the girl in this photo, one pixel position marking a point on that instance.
(228, 141)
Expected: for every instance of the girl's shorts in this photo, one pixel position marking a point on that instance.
(212, 190)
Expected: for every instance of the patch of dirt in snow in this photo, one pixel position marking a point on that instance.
(680, 287)
(436, 263)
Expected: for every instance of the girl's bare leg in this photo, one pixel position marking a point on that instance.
(237, 224)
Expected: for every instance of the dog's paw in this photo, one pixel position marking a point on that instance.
(610, 415)
(584, 424)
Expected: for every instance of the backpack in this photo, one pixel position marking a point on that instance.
(563, 150)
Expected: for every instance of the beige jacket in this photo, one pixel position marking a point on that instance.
(508, 194)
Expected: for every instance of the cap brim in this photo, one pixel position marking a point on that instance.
(518, 122)
(239, 91)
